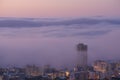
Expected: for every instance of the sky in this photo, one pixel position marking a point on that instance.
(47, 31)
(59, 8)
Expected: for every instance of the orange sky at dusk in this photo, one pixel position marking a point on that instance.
(59, 8)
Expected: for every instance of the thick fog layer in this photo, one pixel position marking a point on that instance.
(53, 41)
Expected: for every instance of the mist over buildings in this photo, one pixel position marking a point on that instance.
(53, 41)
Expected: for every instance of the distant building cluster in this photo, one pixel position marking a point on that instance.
(107, 69)
(100, 70)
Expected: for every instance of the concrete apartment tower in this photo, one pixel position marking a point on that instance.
(82, 55)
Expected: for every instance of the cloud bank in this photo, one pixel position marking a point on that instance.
(32, 22)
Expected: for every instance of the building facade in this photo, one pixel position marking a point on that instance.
(82, 57)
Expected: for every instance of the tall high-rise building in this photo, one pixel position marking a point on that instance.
(82, 55)
(81, 66)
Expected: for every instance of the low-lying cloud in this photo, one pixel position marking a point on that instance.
(18, 23)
